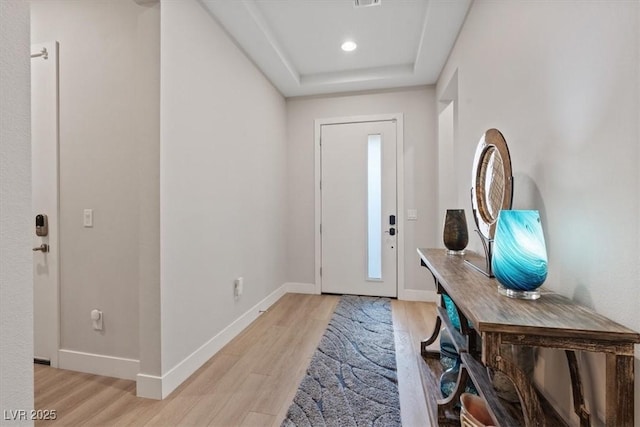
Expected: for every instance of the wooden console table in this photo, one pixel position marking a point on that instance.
(552, 321)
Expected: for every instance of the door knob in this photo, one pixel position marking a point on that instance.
(43, 247)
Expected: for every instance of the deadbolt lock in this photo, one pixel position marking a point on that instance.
(42, 225)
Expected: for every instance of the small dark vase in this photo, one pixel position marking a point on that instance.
(455, 234)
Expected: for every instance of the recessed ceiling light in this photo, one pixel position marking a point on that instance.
(349, 46)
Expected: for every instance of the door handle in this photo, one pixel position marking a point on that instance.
(43, 247)
(392, 220)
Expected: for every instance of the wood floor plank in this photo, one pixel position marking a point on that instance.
(43, 373)
(48, 392)
(284, 379)
(207, 405)
(256, 419)
(84, 413)
(323, 306)
(412, 400)
(234, 412)
(202, 382)
(278, 390)
(290, 393)
(250, 382)
(140, 412)
(73, 399)
(298, 311)
(204, 379)
(119, 410)
(272, 358)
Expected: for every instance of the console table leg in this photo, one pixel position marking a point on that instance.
(450, 402)
(427, 342)
(528, 397)
(576, 386)
(619, 398)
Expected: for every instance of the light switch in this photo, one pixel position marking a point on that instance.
(88, 218)
(412, 214)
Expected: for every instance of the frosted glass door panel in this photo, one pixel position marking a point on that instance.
(374, 208)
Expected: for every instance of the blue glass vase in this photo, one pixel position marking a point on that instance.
(519, 260)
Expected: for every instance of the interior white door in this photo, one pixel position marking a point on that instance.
(44, 167)
(358, 208)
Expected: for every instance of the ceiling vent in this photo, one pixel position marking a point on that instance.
(366, 3)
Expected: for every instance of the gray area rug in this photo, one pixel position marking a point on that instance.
(351, 380)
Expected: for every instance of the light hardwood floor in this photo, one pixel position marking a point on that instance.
(250, 382)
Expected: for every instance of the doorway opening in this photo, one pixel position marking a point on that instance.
(359, 205)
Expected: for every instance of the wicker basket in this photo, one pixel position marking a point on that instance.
(474, 411)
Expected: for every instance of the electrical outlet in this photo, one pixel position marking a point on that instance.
(238, 286)
(97, 318)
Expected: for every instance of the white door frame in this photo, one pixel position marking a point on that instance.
(399, 119)
(52, 153)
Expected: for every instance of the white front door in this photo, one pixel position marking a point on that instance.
(44, 164)
(358, 208)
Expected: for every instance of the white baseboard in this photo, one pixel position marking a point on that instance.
(98, 364)
(159, 387)
(155, 387)
(149, 386)
(300, 288)
(417, 295)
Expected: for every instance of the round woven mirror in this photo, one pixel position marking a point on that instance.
(492, 183)
(491, 191)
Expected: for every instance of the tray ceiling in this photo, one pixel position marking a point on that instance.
(296, 43)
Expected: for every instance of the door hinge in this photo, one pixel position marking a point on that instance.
(320, 228)
(320, 271)
(321, 185)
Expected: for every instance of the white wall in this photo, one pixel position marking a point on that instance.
(109, 162)
(561, 80)
(447, 196)
(420, 167)
(223, 188)
(16, 280)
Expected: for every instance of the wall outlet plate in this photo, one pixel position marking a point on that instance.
(96, 318)
(238, 286)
